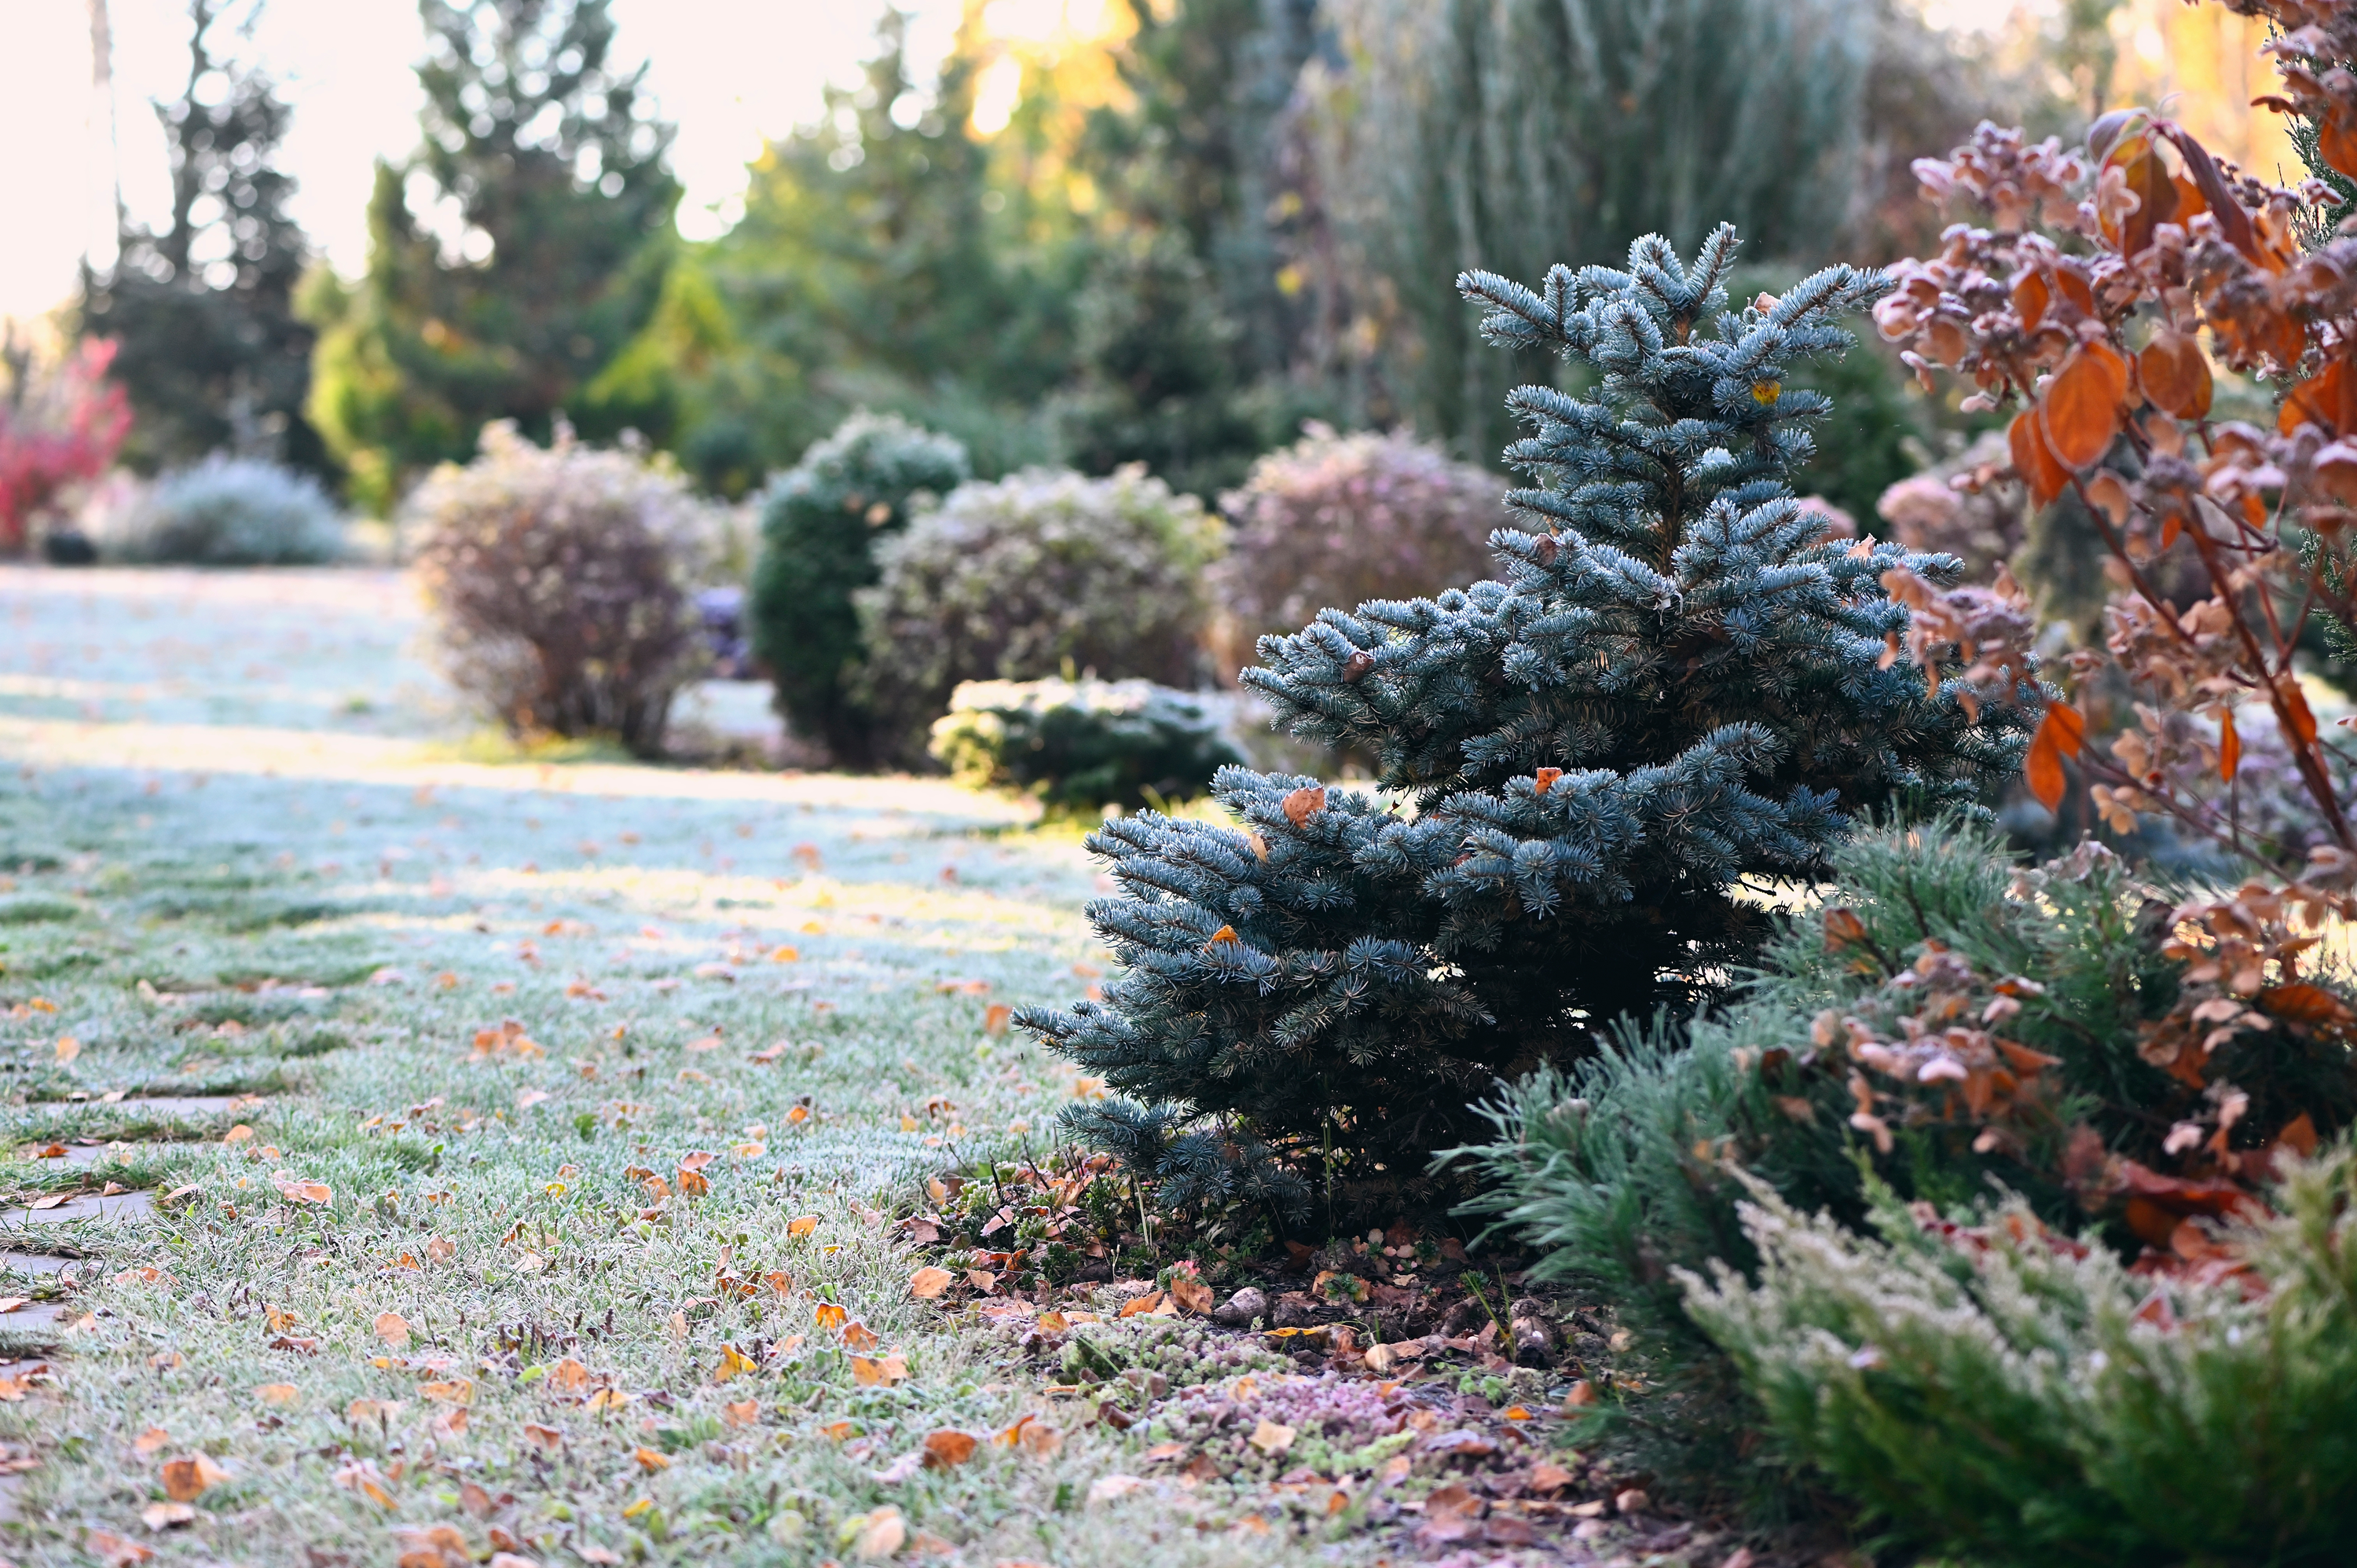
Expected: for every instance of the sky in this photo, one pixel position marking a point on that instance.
(726, 71)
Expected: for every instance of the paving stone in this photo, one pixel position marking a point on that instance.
(35, 1262)
(82, 1154)
(122, 1206)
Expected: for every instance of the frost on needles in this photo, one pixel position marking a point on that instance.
(1678, 682)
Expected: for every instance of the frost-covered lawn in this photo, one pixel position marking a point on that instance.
(246, 847)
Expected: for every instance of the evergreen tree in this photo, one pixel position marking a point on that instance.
(881, 262)
(202, 310)
(1677, 686)
(547, 164)
(1198, 151)
(1157, 379)
(1188, 333)
(1517, 131)
(820, 522)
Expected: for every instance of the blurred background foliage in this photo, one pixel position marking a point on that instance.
(1171, 234)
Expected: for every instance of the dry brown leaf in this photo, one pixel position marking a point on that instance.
(278, 1395)
(744, 1412)
(649, 1460)
(393, 1329)
(113, 1550)
(880, 1535)
(185, 1480)
(733, 1363)
(149, 1441)
(367, 1480)
(886, 1370)
(2176, 376)
(2034, 460)
(859, 1337)
(2079, 412)
(168, 1516)
(1271, 1438)
(1193, 1295)
(928, 1283)
(949, 1447)
(1305, 803)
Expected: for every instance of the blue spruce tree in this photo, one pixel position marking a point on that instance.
(1678, 684)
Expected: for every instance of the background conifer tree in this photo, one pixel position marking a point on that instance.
(548, 166)
(202, 310)
(821, 523)
(1679, 683)
(882, 262)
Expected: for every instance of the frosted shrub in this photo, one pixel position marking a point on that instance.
(1081, 744)
(1340, 520)
(560, 582)
(229, 511)
(1041, 573)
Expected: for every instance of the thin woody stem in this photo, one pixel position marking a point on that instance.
(2304, 749)
(2119, 547)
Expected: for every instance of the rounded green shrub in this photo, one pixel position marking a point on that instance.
(1043, 572)
(1082, 745)
(231, 511)
(820, 525)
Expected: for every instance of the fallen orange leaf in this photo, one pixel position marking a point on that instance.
(733, 1363)
(185, 1480)
(885, 1370)
(949, 1447)
(929, 1282)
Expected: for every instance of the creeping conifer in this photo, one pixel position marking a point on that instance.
(1678, 684)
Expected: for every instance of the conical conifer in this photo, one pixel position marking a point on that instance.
(1680, 686)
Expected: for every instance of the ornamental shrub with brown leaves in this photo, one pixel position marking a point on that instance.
(560, 584)
(2093, 300)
